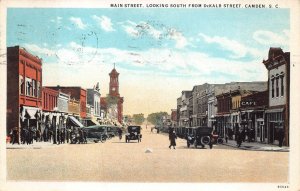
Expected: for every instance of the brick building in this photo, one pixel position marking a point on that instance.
(24, 82)
(277, 115)
(76, 93)
(113, 103)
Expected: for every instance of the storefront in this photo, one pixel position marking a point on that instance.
(275, 124)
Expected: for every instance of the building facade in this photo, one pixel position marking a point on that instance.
(76, 93)
(93, 99)
(277, 114)
(184, 116)
(112, 104)
(24, 93)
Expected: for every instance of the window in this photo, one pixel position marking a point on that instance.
(272, 81)
(33, 88)
(38, 89)
(21, 84)
(282, 84)
(277, 86)
(28, 87)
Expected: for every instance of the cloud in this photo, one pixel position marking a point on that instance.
(104, 22)
(39, 50)
(130, 28)
(238, 49)
(141, 29)
(270, 38)
(179, 38)
(78, 22)
(57, 20)
(157, 31)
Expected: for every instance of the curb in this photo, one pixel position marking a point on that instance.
(255, 149)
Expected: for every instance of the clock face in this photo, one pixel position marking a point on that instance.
(113, 89)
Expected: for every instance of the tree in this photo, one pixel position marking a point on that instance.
(156, 118)
(138, 119)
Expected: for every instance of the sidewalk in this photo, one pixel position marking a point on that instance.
(257, 146)
(35, 145)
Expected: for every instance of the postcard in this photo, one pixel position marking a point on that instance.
(164, 95)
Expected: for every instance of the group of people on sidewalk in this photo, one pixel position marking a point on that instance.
(61, 136)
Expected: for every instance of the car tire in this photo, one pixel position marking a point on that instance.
(205, 140)
(220, 141)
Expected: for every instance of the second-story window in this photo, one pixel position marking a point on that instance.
(272, 83)
(28, 87)
(21, 84)
(34, 88)
(282, 84)
(277, 86)
(38, 89)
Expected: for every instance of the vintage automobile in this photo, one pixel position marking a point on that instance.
(133, 133)
(111, 130)
(96, 133)
(199, 136)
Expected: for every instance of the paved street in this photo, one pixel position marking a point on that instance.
(117, 161)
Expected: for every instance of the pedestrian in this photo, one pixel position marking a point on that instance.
(15, 136)
(280, 137)
(226, 137)
(172, 138)
(84, 136)
(243, 135)
(239, 138)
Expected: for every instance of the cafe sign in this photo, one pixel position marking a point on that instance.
(248, 103)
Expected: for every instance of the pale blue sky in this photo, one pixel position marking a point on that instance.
(165, 50)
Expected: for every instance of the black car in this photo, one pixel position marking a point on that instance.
(133, 133)
(199, 136)
(96, 133)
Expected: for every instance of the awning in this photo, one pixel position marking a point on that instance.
(30, 113)
(274, 110)
(75, 121)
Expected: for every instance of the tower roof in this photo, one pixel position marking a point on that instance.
(114, 71)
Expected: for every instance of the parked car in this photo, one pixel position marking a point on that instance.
(133, 133)
(96, 133)
(199, 136)
(111, 130)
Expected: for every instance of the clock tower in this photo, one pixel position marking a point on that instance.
(115, 106)
(114, 83)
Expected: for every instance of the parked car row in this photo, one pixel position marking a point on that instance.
(197, 136)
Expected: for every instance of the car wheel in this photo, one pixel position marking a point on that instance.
(205, 140)
(220, 141)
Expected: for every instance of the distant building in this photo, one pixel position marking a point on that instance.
(93, 99)
(184, 116)
(113, 103)
(24, 93)
(277, 115)
(174, 117)
(76, 93)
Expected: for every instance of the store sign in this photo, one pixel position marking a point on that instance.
(248, 103)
